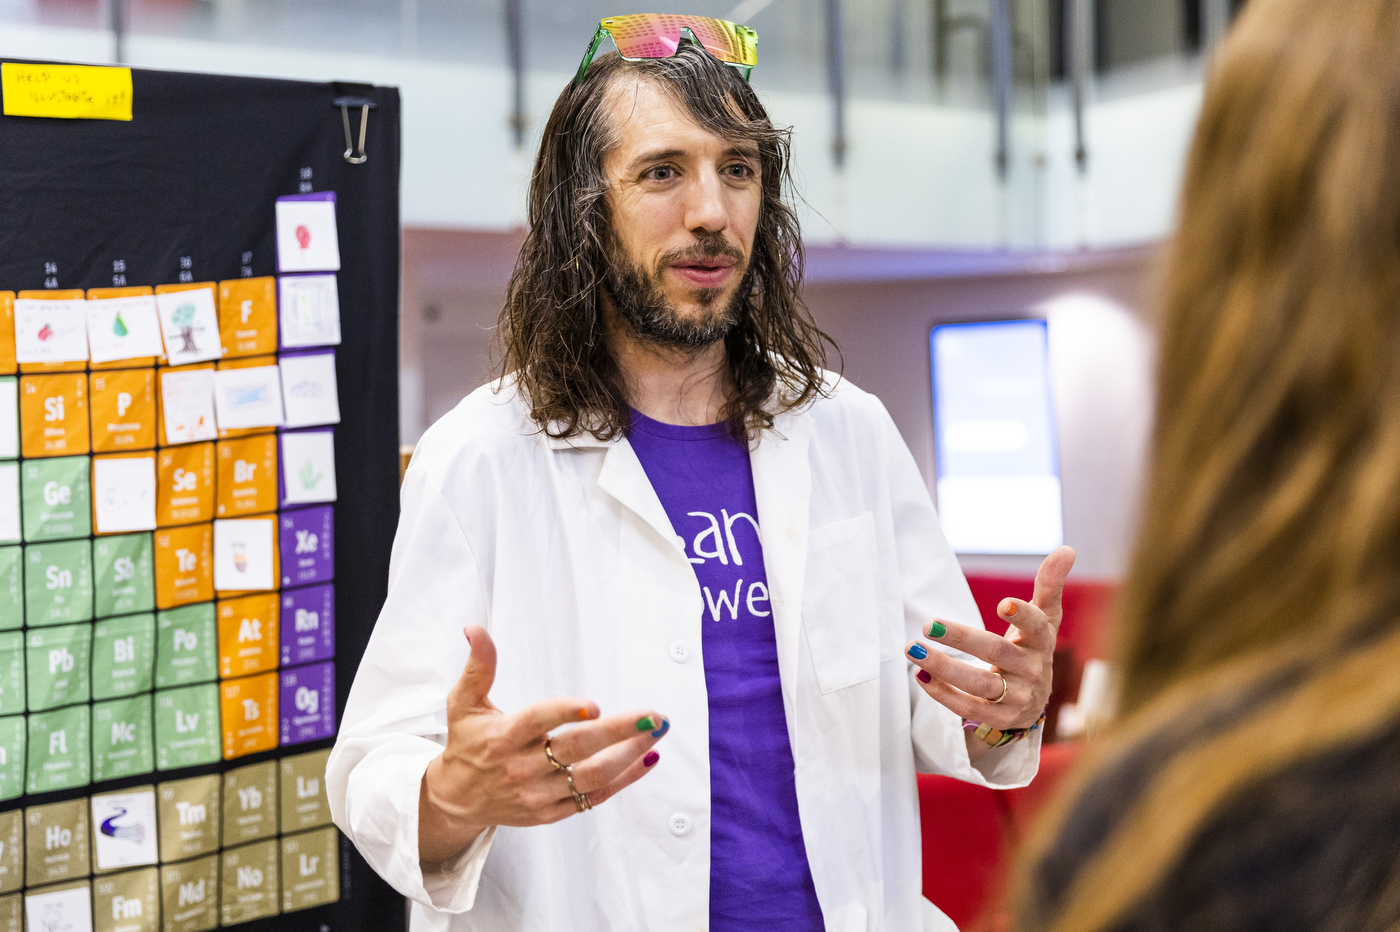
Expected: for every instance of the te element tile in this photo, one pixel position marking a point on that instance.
(184, 565)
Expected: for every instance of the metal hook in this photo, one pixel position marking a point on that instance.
(349, 153)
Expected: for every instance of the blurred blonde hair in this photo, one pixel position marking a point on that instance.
(1267, 569)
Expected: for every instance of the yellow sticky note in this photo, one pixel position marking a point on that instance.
(72, 92)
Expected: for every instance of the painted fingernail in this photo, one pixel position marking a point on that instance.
(924, 677)
(651, 758)
(1011, 609)
(665, 727)
(584, 714)
(645, 724)
(918, 652)
(936, 630)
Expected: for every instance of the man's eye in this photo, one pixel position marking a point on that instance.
(662, 173)
(739, 170)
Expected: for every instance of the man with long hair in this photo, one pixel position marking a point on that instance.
(598, 511)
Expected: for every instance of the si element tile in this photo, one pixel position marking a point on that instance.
(53, 414)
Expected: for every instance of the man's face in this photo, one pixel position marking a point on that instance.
(685, 206)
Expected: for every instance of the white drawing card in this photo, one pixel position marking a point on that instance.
(123, 328)
(189, 322)
(307, 240)
(50, 331)
(9, 418)
(308, 308)
(308, 467)
(124, 828)
(249, 397)
(309, 392)
(243, 554)
(64, 911)
(9, 503)
(187, 405)
(124, 494)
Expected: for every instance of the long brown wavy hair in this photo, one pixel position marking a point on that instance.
(551, 330)
(1265, 589)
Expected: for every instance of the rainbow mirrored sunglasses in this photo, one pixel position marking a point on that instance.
(658, 35)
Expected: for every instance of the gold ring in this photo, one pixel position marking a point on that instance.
(1005, 688)
(549, 752)
(580, 799)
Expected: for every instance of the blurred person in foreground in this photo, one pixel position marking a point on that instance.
(1252, 777)
(592, 524)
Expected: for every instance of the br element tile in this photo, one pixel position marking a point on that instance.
(248, 635)
(308, 703)
(123, 656)
(250, 882)
(187, 726)
(53, 415)
(186, 649)
(127, 902)
(190, 813)
(249, 712)
(189, 895)
(59, 750)
(308, 624)
(184, 565)
(58, 661)
(310, 869)
(304, 803)
(123, 570)
(123, 739)
(250, 803)
(58, 582)
(55, 842)
(247, 476)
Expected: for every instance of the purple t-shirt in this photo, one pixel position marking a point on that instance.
(759, 877)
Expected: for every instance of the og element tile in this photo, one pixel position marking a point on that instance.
(308, 703)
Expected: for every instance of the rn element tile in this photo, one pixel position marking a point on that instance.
(308, 624)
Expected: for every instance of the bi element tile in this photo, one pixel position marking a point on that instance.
(123, 656)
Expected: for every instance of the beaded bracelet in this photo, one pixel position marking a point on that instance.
(1001, 737)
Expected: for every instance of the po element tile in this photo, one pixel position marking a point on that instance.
(186, 649)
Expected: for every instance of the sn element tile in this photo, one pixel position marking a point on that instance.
(12, 699)
(189, 894)
(55, 842)
(186, 484)
(124, 829)
(11, 852)
(57, 498)
(14, 739)
(123, 406)
(250, 803)
(187, 727)
(123, 739)
(53, 414)
(57, 661)
(304, 801)
(248, 635)
(307, 544)
(248, 315)
(250, 876)
(308, 703)
(184, 565)
(123, 568)
(127, 902)
(58, 583)
(186, 650)
(59, 750)
(190, 816)
(310, 869)
(308, 624)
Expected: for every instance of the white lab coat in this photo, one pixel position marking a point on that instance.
(562, 550)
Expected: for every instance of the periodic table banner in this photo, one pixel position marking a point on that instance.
(198, 493)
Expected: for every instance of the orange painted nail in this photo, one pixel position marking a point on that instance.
(584, 714)
(1011, 610)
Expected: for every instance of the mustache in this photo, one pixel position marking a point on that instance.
(710, 246)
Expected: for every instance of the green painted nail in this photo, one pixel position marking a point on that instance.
(935, 630)
(646, 724)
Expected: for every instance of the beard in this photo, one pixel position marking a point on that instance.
(640, 299)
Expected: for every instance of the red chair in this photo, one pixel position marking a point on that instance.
(964, 835)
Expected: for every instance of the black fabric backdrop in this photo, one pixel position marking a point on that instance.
(195, 175)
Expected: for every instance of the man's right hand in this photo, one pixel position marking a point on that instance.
(494, 770)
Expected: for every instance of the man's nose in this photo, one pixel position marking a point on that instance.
(705, 208)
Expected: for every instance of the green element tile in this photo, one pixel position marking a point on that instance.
(127, 902)
(304, 801)
(56, 842)
(12, 673)
(250, 803)
(58, 583)
(190, 813)
(123, 741)
(11, 588)
(13, 741)
(189, 894)
(60, 755)
(123, 656)
(187, 727)
(56, 498)
(58, 660)
(310, 869)
(123, 579)
(11, 852)
(187, 646)
(250, 882)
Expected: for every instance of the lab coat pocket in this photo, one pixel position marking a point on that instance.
(840, 604)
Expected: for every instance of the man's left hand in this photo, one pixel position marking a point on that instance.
(1024, 656)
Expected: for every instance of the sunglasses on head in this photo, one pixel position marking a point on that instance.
(658, 35)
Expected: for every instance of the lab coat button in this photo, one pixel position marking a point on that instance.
(679, 825)
(679, 652)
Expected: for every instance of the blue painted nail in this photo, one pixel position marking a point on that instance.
(918, 652)
(665, 727)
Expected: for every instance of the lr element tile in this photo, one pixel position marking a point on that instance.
(250, 882)
(308, 703)
(249, 707)
(123, 656)
(304, 802)
(11, 588)
(308, 624)
(57, 498)
(11, 851)
(124, 829)
(190, 812)
(13, 741)
(123, 742)
(58, 660)
(187, 726)
(189, 894)
(310, 869)
(127, 902)
(308, 545)
(186, 646)
(58, 583)
(250, 803)
(55, 842)
(59, 750)
(123, 574)
(248, 631)
(12, 673)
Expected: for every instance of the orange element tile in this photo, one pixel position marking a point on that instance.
(69, 294)
(134, 291)
(123, 406)
(245, 362)
(53, 416)
(184, 565)
(248, 316)
(247, 476)
(185, 484)
(7, 333)
(248, 634)
(248, 709)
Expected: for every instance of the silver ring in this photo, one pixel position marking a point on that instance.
(1005, 688)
